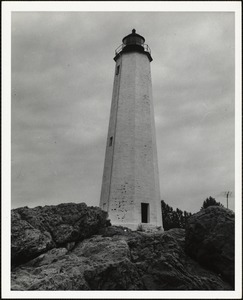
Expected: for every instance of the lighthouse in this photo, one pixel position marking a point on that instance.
(130, 190)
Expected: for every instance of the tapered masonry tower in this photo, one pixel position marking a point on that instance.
(130, 187)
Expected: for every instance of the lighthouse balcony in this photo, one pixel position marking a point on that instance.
(133, 47)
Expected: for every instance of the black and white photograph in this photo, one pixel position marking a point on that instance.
(122, 150)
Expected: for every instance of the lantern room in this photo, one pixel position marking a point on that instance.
(133, 43)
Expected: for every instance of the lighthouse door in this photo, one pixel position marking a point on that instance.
(145, 212)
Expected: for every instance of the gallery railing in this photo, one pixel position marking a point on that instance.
(145, 46)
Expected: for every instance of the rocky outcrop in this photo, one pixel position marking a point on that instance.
(69, 247)
(37, 230)
(210, 240)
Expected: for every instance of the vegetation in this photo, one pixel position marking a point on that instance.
(210, 202)
(140, 227)
(173, 218)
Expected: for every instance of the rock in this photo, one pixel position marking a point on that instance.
(118, 259)
(47, 258)
(164, 264)
(37, 230)
(210, 240)
(110, 266)
(27, 241)
(70, 247)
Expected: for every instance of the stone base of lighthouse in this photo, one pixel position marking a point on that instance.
(147, 227)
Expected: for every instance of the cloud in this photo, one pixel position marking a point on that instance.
(62, 76)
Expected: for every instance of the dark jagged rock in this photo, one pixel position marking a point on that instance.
(70, 247)
(210, 240)
(37, 230)
(165, 266)
(27, 241)
(118, 259)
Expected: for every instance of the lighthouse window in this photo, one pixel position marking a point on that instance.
(111, 140)
(117, 70)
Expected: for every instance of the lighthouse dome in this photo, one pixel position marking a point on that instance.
(133, 39)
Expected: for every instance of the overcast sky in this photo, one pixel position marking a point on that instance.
(62, 76)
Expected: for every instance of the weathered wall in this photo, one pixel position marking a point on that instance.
(105, 189)
(131, 167)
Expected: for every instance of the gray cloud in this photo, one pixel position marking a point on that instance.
(62, 76)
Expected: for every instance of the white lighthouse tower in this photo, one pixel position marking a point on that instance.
(130, 187)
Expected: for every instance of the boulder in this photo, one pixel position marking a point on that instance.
(164, 265)
(118, 259)
(36, 230)
(210, 240)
